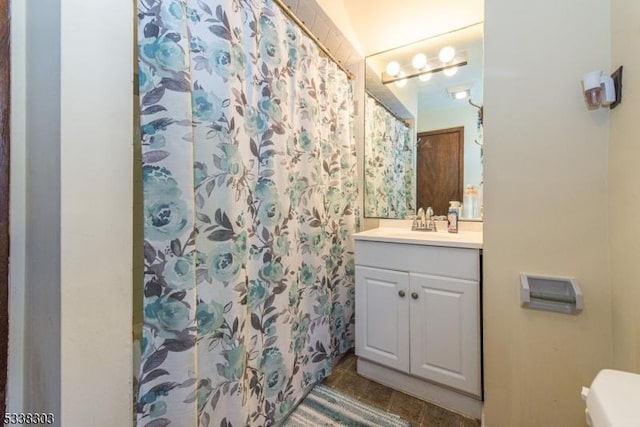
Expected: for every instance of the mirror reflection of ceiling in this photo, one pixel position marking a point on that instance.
(376, 26)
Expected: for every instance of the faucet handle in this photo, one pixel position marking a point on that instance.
(418, 222)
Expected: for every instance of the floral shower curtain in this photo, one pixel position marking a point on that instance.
(249, 196)
(389, 164)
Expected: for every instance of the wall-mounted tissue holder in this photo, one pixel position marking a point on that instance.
(561, 294)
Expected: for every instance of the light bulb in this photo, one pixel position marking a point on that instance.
(393, 68)
(426, 76)
(450, 71)
(403, 82)
(461, 95)
(447, 54)
(419, 61)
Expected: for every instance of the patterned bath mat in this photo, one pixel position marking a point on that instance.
(325, 406)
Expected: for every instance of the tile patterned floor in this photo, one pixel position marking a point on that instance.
(418, 412)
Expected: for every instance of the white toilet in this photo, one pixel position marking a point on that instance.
(613, 400)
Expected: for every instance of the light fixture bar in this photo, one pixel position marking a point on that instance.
(386, 78)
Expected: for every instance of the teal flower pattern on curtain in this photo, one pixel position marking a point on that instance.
(389, 164)
(249, 201)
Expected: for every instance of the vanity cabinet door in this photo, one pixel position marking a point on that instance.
(382, 316)
(445, 331)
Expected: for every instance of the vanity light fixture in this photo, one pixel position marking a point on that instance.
(401, 81)
(427, 75)
(447, 54)
(450, 71)
(393, 68)
(432, 65)
(419, 61)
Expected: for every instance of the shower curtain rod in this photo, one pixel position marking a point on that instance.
(287, 10)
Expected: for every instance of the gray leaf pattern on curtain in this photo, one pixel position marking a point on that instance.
(249, 201)
(389, 164)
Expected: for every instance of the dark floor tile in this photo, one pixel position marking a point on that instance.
(435, 416)
(469, 422)
(377, 395)
(349, 363)
(419, 413)
(332, 379)
(346, 363)
(407, 407)
(350, 384)
(361, 385)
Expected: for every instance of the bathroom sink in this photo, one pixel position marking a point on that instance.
(462, 239)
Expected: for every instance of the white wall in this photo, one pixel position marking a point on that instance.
(624, 200)
(545, 207)
(76, 118)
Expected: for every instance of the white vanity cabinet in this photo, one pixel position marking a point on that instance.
(418, 318)
(382, 316)
(444, 331)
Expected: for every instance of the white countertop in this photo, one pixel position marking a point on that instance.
(461, 239)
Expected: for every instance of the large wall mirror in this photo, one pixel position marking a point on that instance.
(423, 126)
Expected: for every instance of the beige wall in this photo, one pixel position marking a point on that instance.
(624, 193)
(96, 205)
(71, 211)
(340, 17)
(545, 207)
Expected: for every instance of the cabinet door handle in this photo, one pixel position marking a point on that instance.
(401, 293)
(414, 295)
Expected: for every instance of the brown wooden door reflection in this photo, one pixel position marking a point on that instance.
(439, 163)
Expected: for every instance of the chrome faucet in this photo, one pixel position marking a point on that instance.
(420, 218)
(424, 221)
(430, 224)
